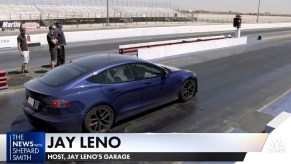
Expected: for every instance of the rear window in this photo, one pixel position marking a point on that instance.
(62, 75)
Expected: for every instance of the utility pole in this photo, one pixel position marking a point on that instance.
(258, 10)
(107, 24)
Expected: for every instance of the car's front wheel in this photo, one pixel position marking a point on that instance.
(99, 119)
(187, 90)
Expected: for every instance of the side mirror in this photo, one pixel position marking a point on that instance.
(164, 74)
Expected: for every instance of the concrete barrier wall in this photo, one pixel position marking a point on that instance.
(177, 49)
(168, 41)
(265, 26)
(10, 41)
(39, 38)
(135, 32)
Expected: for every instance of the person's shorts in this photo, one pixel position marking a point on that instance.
(25, 57)
(54, 54)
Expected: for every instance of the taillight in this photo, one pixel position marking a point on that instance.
(68, 104)
(56, 103)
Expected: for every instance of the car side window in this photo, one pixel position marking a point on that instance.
(113, 75)
(120, 74)
(145, 71)
(99, 78)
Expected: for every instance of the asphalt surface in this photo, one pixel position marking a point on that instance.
(10, 58)
(233, 84)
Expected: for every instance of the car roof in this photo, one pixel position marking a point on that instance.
(104, 60)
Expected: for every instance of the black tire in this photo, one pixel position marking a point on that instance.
(99, 119)
(187, 90)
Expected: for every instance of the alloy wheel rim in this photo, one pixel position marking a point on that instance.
(100, 120)
(189, 89)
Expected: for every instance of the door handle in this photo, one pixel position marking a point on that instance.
(147, 83)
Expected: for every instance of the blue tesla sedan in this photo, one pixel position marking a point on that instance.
(92, 93)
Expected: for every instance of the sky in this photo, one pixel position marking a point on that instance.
(273, 6)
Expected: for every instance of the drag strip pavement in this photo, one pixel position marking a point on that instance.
(231, 89)
(10, 58)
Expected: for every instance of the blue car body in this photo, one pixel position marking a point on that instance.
(61, 98)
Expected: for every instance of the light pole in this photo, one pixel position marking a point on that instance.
(258, 10)
(107, 24)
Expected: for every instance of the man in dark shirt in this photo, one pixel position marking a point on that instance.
(59, 34)
(53, 46)
(23, 49)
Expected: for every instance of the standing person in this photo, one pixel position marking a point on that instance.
(59, 34)
(23, 49)
(53, 46)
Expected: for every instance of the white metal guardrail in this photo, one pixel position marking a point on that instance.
(130, 48)
(184, 48)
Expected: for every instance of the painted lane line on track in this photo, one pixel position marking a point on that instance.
(273, 101)
(277, 37)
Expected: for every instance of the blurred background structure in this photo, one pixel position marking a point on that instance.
(75, 12)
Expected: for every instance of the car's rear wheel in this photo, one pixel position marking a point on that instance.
(99, 119)
(188, 90)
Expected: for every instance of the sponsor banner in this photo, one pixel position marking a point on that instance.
(31, 25)
(10, 24)
(29, 147)
(17, 24)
